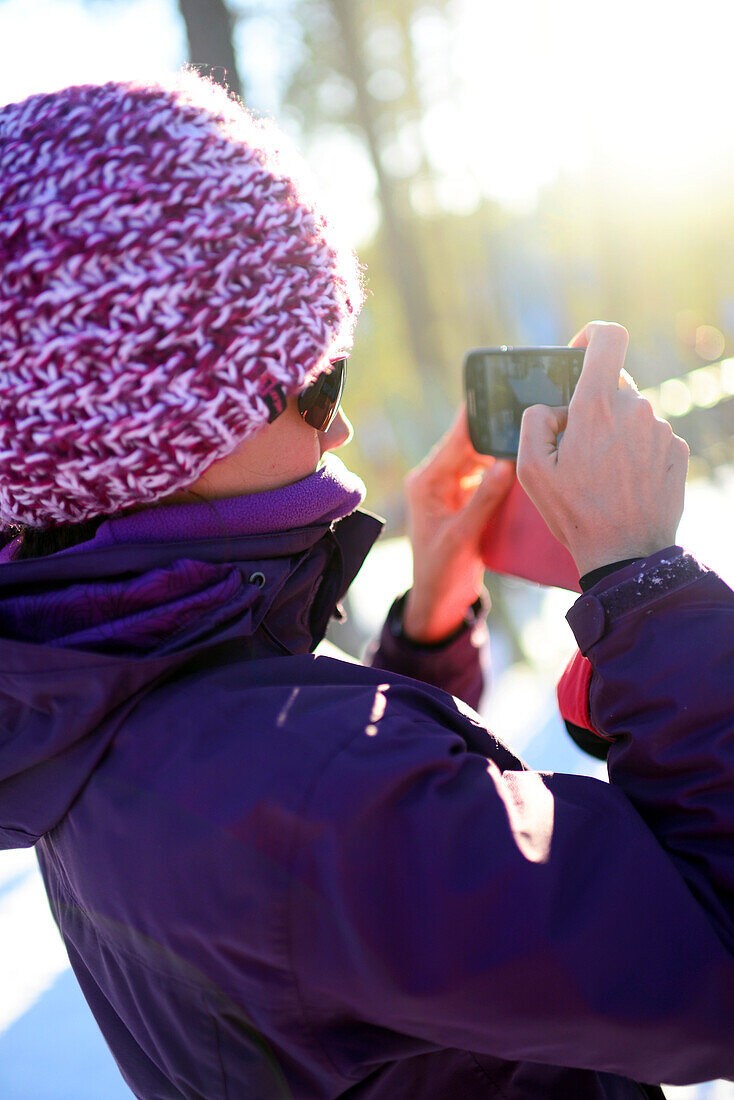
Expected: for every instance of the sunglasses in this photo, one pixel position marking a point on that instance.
(319, 404)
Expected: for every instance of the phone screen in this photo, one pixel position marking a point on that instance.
(502, 382)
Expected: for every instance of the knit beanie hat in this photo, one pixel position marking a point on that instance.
(161, 274)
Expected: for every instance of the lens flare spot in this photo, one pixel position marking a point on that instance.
(705, 386)
(726, 366)
(709, 342)
(675, 397)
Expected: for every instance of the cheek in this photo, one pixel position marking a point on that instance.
(307, 453)
(298, 447)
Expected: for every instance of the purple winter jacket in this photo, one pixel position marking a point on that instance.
(282, 875)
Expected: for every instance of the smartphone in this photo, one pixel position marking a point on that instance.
(500, 383)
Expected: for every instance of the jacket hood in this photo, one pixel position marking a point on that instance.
(85, 633)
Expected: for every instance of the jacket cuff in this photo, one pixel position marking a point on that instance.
(639, 584)
(475, 617)
(572, 692)
(452, 664)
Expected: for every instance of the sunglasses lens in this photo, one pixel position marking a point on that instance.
(320, 403)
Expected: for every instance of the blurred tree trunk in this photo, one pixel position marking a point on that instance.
(209, 27)
(400, 243)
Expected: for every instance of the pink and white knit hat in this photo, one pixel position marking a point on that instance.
(160, 274)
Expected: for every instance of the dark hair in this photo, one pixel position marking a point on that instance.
(37, 542)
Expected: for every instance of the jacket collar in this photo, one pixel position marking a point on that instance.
(140, 588)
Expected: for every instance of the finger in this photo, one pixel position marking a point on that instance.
(603, 362)
(580, 340)
(539, 430)
(627, 382)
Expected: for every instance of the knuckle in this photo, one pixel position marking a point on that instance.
(681, 446)
(535, 417)
(527, 426)
(641, 408)
(530, 415)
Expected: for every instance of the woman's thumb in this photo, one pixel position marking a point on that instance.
(491, 491)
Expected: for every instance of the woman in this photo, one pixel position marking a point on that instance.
(278, 874)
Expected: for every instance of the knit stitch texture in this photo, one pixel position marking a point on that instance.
(160, 273)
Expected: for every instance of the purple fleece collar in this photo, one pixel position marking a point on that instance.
(328, 494)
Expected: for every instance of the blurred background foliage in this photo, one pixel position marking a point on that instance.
(360, 84)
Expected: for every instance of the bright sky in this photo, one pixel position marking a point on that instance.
(640, 87)
(47, 44)
(639, 90)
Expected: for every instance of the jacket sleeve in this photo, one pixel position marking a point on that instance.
(671, 724)
(454, 665)
(547, 918)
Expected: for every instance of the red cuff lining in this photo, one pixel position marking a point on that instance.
(573, 693)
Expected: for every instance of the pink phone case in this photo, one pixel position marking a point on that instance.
(517, 542)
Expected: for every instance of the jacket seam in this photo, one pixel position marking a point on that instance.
(70, 899)
(498, 1091)
(114, 945)
(284, 651)
(217, 1047)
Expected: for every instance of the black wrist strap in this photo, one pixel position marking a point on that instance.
(590, 579)
(477, 611)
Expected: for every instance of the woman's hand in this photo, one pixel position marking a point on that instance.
(451, 496)
(613, 487)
